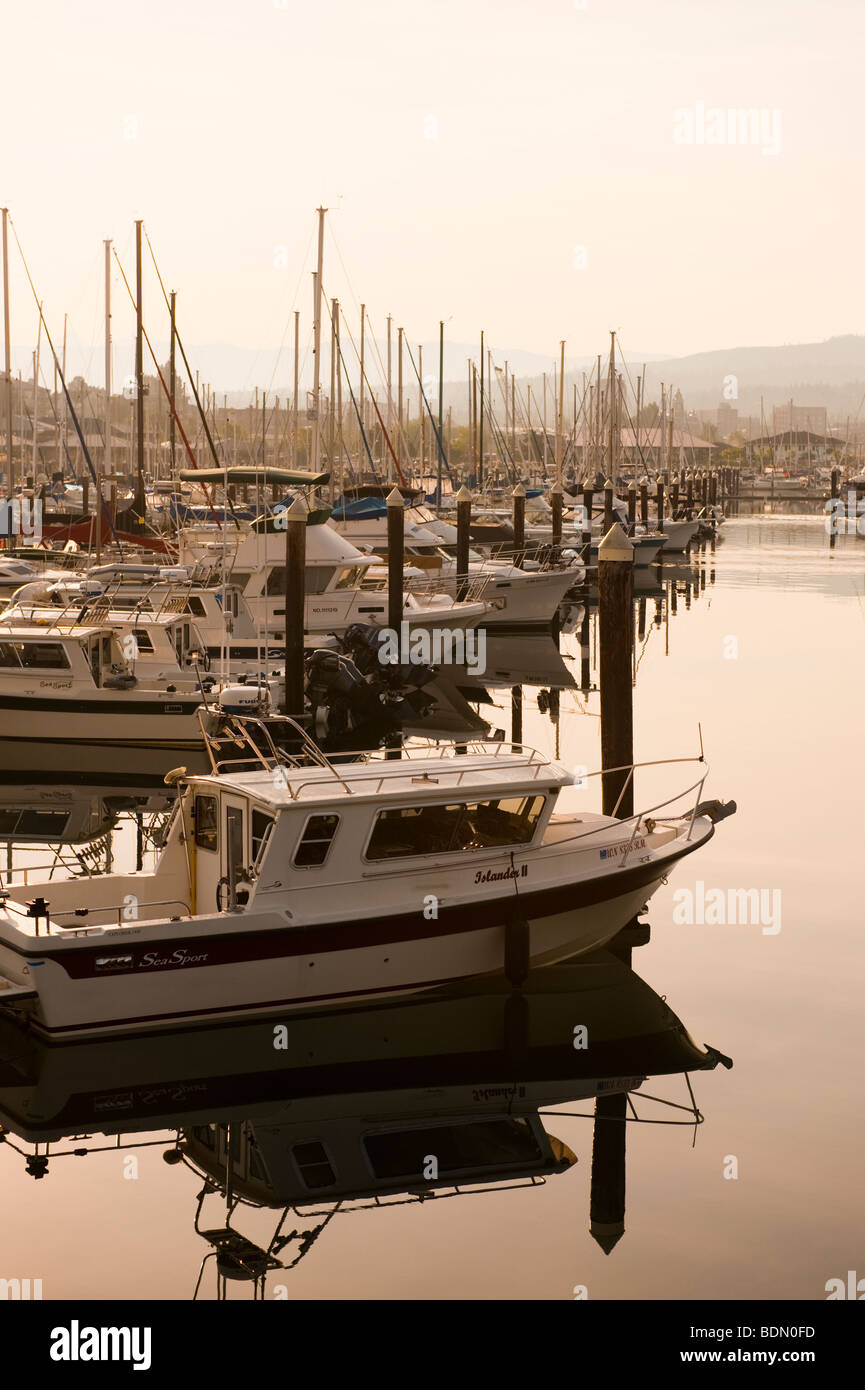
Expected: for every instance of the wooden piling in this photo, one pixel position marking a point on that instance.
(615, 596)
(518, 497)
(295, 600)
(464, 521)
(632, 508)
(644, 505)
(517, 714)
(588, 503)
(395, 559)
(608, 505)
(607, 1192)
(585, 652)
(659, 501)
(557, 499)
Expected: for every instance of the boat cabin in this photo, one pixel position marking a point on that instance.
(351, 1157)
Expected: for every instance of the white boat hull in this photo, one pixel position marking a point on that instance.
(172, 994)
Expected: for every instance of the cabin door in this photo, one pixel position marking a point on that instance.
(235, 858)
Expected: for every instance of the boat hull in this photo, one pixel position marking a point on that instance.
(220, 968)
(164, 720)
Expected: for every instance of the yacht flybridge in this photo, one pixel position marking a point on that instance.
(455, 866)
(339, 590)
(83, 676)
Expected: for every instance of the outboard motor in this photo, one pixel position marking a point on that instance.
(244, 699)
(365, 642)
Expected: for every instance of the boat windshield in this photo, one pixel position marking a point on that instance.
(458, 826)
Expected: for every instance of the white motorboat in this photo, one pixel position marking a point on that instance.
(80, 676)
(678, 535)
(286, 882)
(519, 595)
(339, 588)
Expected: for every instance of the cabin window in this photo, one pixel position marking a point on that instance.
(33, 824)
(437, 829)
(350, 577)
(95, 661)
(206, 822)
(313, 1165)
(206, 1136)
(315, 842)
(483, 1143)
(39, 656)
(143, 640)
(262, 825)
(196, 608)
(181, 641)
(256, 1166)
(316, 580)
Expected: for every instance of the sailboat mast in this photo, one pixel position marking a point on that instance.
(294, 406)
(611, 390)
(481, 478)
(65, 401)
(172, 382)
(139, 380)
(598, 450)
(360, 407)
(441, 392)
(316, 383)
(7, 371)
(106, 453)
(560, 421)
(36, 396)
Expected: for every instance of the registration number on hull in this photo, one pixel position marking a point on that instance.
(624, 846)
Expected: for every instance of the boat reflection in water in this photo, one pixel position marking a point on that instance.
(443, 1095)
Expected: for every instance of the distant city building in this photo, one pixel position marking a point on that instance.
(805, 417)
(727, 419)
(798, 449)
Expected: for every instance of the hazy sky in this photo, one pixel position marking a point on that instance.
(468, 150)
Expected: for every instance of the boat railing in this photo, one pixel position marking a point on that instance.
(472, 588)
(81, 927)
(640, 818)
(92, 610)
(238, 730)
(547, 561)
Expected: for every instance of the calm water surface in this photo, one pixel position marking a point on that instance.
(767, 658)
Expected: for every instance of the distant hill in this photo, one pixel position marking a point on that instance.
(831, 373)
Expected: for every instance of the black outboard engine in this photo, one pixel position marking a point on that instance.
(355, 691)
(366, 643)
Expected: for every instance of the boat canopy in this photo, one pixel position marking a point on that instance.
(359, 509)
(283, 477)
(355, 493)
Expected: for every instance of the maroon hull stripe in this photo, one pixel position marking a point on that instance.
(290, 941)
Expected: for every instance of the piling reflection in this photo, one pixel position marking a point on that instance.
(448, 1094)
